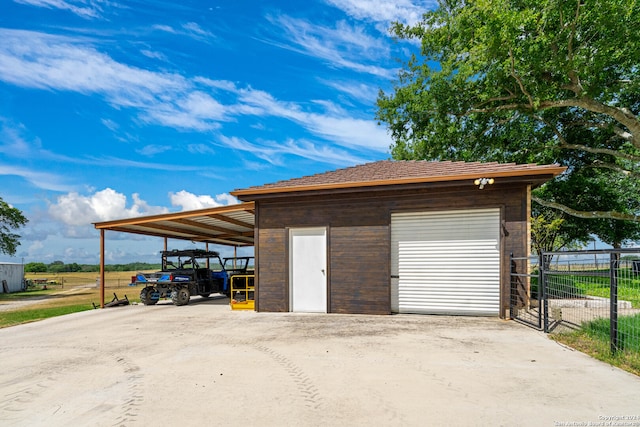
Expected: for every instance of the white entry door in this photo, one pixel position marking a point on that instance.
(308, 269)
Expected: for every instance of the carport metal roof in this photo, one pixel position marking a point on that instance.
(226, 225)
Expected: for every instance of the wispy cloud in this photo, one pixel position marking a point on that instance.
(152, 150)
(343, 46)
(37, 60)
(82, 8)
(405, 11)
(39, 179)
(109, 161)
(337, 126)
(197, 32)
(44, 61)
(189, 29)
(14, 143)
(274, 151)
(151, 54)
(361, 92)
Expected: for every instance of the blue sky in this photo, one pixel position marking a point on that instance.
(117, 108)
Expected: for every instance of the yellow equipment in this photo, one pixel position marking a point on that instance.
(243, 292)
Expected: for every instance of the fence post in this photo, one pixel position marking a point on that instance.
(542, 288)
(613, 301)
(512, 287)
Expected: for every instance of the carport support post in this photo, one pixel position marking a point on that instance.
(102, 268)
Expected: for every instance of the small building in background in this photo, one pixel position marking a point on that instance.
(11, 277)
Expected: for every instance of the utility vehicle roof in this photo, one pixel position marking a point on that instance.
(196, 253)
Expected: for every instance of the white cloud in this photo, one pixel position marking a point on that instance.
(37, 60)
(196, 31)
(200, 149)
(344, 46)
(110, 124)
(164, 28)
(75, 209)
(42, 180)
(35, 248)
(227, 199)
(202, 106)
(266, 152)
(350, 132)
(359, 91)
(154, 54)
(12, 139)
(405, 11)
(152, 149)
(190, 29)
(334, 125)
(81, 8)
(42, 61)
(189, 201)
(273, 152)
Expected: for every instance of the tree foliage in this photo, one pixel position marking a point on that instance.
(528, 81)
(35, 267)
(10, 220)
(60, 267)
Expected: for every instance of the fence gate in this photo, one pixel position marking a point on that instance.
(597, 291)
(527, 302)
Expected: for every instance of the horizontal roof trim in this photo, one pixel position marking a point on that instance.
(553, 170)
(246, 206)
(226, 225)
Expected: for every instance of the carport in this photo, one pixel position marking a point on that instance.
(226, 225)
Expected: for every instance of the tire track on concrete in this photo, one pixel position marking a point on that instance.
(22, 389)
(306, 389)
(135, 393)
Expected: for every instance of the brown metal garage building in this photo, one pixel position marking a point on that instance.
(393, 236)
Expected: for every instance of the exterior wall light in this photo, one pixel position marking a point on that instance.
(481, 182)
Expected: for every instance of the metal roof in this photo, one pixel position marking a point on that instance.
(226, 225)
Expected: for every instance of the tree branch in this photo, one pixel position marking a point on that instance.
(586, 214)
(576, 86)
(519, 80)
(621, 115)
(599, 164)
(608, 151)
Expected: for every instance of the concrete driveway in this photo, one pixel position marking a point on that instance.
(203, 364)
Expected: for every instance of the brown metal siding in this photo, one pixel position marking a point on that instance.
(273, 274)
(360, 270)
(359, 239)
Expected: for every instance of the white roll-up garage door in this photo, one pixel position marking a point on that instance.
(446, 262)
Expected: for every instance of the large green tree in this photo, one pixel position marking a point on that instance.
(10, 219)
(529, 81)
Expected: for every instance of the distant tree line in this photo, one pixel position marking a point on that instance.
(61, 267)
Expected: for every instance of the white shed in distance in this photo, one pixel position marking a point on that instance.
(11, 277)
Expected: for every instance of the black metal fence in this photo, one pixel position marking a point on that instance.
(597, 292)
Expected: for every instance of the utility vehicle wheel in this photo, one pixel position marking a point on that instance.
(205, 295)
(145, 296)
(180, 296)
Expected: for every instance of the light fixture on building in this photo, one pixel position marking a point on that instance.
(481, 182)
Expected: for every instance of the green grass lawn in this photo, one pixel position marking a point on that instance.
(580, 286)
(17, 317)
(593, 338)
(59, 300)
